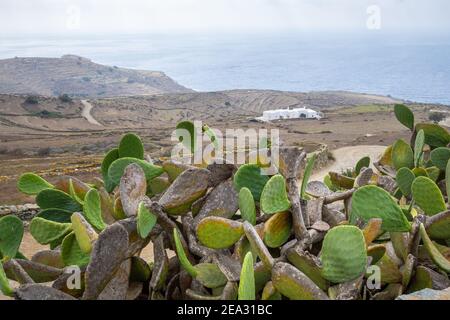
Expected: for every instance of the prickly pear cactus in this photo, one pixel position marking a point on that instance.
(247, 205)
(344, 255)
(402, 155)
(247, 279)
(274, 196)
(32, 184)
(238, 233)
(404, 115)
(371, 202)
(219, 233)
(11, 233)
(250, 176)
(428, 196)
(131, 147)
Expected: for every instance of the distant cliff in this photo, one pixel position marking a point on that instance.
(80, 77)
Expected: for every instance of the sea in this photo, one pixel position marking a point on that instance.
(410, 66)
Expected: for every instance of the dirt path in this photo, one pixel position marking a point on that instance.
(86, 113)
(347, 157)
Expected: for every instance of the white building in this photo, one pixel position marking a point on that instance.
(299, 113)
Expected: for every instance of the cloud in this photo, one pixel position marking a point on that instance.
(128, 16)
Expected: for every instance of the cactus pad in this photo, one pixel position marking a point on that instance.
(362, 163)
(294, 284)
(247, 205)
(274, 196)
(131, 147)
(249, 175)
(184, 261)
(219, 233)
(209, 275)
(11, 233)
(247, 279)
(92, 210)
(440, 157)
(427, 196)
(404, 115)
(373, 202)
(405, 178)
(84, 232)
(145, 221)
(435, 135)
(71, 252)
(46, 231)
(56, 199)
(434, 253)
(309, 265)
(277, 229)
(4, 283)
(402, 155)
(31, 184)
(418, 147)
(344, 254)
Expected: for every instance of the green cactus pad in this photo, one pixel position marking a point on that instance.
(184, 261)
(402, 155)
(249, 175)
(362, 163)
(56, 199)
(11, 234)
(71, 252)
(247, 280)
(418, 147)
(210, 275)
(404, 115)
(92, 210)
(78, 197)
(309, 265)
(440, 157)
(274, 196)
(294, 284)
(420, 172)
(306, 175)
(174, 169)
(219, 233)
(46, 231)
(84, 232)
(4, 283)
(145, 221)
(405, 178)
(433, 173)
(435, 135)
(277, 229)
(373, 202)
(386, 158)
(428, 196)
(344, 256)
(56, 215)
(131, 147)
(110, 157)
(117, 169)
(186, 129)
(32, 184)
(247, 205)
(433, 252)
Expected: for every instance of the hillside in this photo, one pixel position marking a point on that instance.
(79, 77)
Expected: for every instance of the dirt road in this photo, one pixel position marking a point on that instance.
(86, 113)
(347, 157)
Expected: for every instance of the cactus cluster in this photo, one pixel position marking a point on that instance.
(237, 233)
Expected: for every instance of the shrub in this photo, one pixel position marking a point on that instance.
(32, 100)
(436, 117)
(65, 98)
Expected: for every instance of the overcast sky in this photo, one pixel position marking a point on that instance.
(133, 16)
